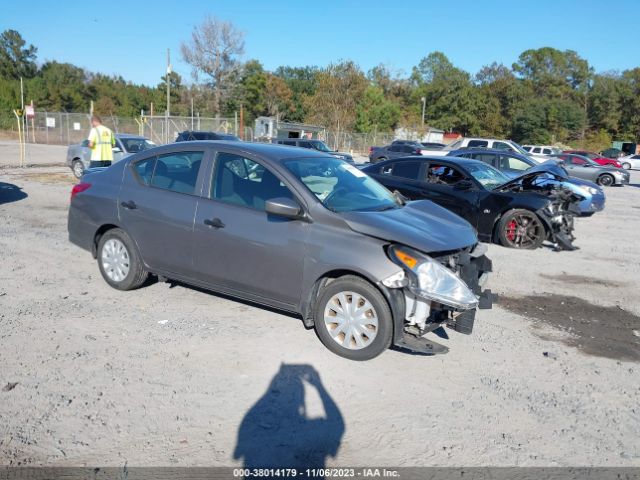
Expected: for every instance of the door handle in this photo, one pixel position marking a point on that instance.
(214, 222)
(130, 205)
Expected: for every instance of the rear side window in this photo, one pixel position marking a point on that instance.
(484, 157)
(536, 150)
(408, 170)
(144, 169)
(177, 172)
(502, 146)
(477, 143)
(242, 181)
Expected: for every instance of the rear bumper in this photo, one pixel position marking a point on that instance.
(81, 230)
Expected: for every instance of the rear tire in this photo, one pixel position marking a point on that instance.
(353, 319)
(520, 228)
(119, 262)
(606, 180)
(77, 167)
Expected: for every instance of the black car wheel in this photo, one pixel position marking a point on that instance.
(521, 229)
(119, 262)
(78, 168)
(352, 319)
(606, 180)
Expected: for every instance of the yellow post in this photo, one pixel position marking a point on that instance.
(21, 140)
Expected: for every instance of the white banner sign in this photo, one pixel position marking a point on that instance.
(51, 122)
(76, 125)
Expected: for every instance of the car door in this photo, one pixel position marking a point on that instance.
(157, 203)
(238, 247)
(575, 167)
(443, 184)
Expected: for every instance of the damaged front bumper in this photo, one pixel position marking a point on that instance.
(559, 217)
(422, 315)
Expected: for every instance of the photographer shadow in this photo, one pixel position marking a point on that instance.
(277, 431)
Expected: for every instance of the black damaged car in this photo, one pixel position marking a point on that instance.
(518, 213)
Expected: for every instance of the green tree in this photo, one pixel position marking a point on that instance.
(16, 58)
(340, 90)
(303, 82)
(375, 112)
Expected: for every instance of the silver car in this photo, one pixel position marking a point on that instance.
(79, 156)
(583, 167)
(297, 230)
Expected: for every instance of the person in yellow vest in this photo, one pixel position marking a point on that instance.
(101, 143)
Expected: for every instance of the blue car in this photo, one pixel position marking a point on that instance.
(514, 164)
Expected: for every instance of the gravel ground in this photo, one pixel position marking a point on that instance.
(170, 375)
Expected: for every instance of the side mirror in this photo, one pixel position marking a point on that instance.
(283, 207)
(116, 150)
(463, 185)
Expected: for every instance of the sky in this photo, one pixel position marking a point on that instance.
(130, 38)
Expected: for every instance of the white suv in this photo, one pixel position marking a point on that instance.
(542, 152)
(491, 143)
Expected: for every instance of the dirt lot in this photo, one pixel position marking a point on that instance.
(170, 375)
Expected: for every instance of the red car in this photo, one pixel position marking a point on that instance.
(596, 158)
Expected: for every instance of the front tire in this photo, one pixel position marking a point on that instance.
(606, 180)
(521, 228)
(353, 319)
(626, 166)
(119, 262)
(77, 167)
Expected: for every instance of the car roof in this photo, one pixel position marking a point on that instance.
(496, 151)
(464, 162)
(268, 151)
(129, 135)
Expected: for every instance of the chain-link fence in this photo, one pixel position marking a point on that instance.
(61, 128)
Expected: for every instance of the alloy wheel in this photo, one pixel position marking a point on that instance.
(523, 230)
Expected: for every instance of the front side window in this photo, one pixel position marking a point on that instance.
(443, 174)
(547, 151)
(477, 143)
(484, 157)
(243, 182)
(133, 145)
(578, 161)
(512, 163)
(339, 186)
(536, 150)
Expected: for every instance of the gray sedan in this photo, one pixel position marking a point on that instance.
(79, 156)
(296, 230)
(583, 167)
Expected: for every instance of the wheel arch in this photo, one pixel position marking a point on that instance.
(393, 297)
(98, 235)
(496, 221)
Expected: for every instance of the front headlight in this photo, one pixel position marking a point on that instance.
(430, 279)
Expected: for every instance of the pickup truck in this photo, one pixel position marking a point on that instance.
(79, 155)
(492, 143)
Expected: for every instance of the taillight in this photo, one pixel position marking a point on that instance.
(618, 164)
(78, 188)
(418, 152)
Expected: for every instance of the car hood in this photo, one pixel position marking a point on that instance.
(548, 167)
(421, 224)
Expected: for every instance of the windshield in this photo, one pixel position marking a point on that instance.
(341, 187)
(319, 145)
(519, 148)
(133, 145)
(488, 176)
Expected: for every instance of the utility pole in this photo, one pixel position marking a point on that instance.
(168, 82)
(168, 111)
(424, 107)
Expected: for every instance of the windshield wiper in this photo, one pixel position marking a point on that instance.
(400, 199)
